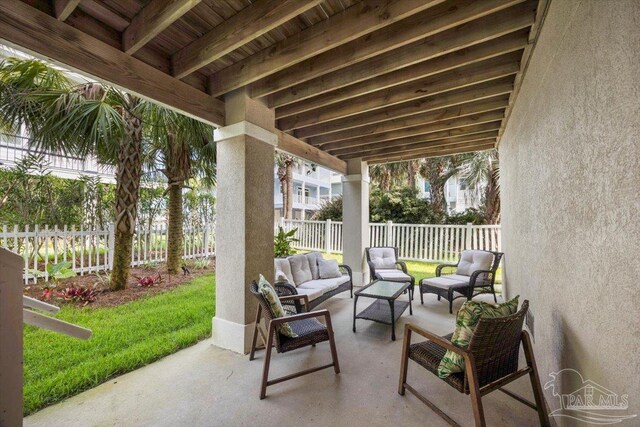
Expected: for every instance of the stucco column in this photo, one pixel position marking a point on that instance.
(355, 218)
(244, 222)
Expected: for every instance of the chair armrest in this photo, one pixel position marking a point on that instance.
(304, 298)
(348, 270)
(403, 266)
(441, 266)
(475, 274)
(436, 339)
(318, 313)
(284, 289)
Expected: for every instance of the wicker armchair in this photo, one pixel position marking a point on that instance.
(397, 273)
(309, 329)
(491, 361)
(454, 286)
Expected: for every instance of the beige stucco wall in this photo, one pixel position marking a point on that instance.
(570, 166)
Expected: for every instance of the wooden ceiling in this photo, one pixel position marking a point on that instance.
(379, 80)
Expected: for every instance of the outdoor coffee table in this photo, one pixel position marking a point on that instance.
(386, 308)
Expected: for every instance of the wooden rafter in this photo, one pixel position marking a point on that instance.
(470, 34)
(417, 27)
(152, 20)
(435, 152)
(358, 20)
(248, 24)
(469, 94)
(473, 74)
(63, 8)
(292, 145)
(31, 29)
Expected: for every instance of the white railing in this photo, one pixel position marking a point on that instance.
(91, 251)
(420, 242)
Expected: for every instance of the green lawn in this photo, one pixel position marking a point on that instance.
(124, 338)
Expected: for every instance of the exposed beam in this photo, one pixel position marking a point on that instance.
(24, 26)
(484, 51)
(440, 18)
(451, 80)
(63, 8)
(292, 145)
(470, 94)
(248, 24)
(417, 131)
(438, 152)
(475, 132)
(356, 21)
(422, 119)
(152, 19)
(475, 32)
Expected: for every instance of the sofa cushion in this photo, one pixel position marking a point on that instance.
(393, 274)
(275, 306)
(283, 268)
(456, 277)
(444, 283)
(329, 269)
(300, 269)
(325, 285)
(471, 261)
(466, 321)
(314, 260)
(384, 258)
(311, 293)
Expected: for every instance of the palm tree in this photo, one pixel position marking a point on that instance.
(389, 175)
(413, 167)
(436, 171)
(481, 171)
(185, 148)
(285, 163)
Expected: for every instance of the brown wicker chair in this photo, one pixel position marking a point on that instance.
(309, 329)
(491, 361)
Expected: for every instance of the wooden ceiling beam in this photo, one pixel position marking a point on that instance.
(451, 80)
(422, 119)
(152, 19)
(63, 8)
(248, 24)
(451, 61)
(485, 29)
(417, 27)
(473, 93)
(292, 145)
(473, 132)
(358, 20)
(417, 131)
(438, 152)
(28, 28)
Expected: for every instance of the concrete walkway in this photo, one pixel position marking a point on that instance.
(206, 386)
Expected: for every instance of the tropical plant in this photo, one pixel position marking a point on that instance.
(389, 175)
(285, 164)
(481, 172)
(149, 281)
(55, 272)
(79, 294)
(437, 171)
(283, 241)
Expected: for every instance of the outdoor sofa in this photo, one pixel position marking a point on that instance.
(300, 275)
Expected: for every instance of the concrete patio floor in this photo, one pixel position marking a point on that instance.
(207, 386)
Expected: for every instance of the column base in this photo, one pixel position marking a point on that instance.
(231, 336)
(359, 278)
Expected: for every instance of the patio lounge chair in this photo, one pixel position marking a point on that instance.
(475, 270)
(309, 329)
(384, 265)
(491, 361)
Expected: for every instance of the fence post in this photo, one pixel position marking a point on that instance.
(388, 229)
(468, 231)
(112, 244)
(281, 222)
(327, 236)
(206, 241)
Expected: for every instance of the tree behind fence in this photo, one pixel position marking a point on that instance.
(91, 251)
(420, 242)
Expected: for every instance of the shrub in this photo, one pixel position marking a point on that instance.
(282, 242)
(149, 281)
(79, 294)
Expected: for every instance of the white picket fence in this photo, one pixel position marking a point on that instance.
(91, 251)
(419, 242)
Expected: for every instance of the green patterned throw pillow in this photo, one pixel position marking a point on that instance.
(269, 294)
(466, 321)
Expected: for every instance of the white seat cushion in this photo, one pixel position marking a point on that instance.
(458, 277)
(393, 275)
(300, 269)
(384, 258)
(314, 259)
(471, 261)
(282, 266)
(443, 282)
(325, 285)
(311, 293)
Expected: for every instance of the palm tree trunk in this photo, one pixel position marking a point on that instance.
(175, 231)
(288, 212)
(492, 199)
(129, 171)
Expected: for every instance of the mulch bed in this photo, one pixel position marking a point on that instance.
(108, 298)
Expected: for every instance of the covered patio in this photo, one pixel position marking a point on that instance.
(347, 84)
